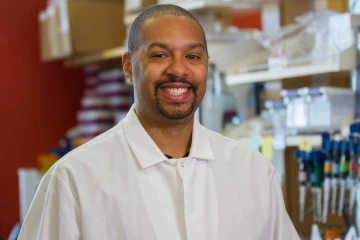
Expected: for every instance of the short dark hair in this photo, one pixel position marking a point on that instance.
(134, 40)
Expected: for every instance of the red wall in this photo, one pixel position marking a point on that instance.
(38, 102)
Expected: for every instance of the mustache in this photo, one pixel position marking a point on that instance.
(175, 80)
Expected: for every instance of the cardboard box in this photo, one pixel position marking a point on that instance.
(289, 9)
(95, 26)
(63, 30)
(43, 36)
(54, 35)
(80, 27)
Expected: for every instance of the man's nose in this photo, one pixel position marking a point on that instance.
(177, 68)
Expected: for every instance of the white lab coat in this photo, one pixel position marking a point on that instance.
(107, 189)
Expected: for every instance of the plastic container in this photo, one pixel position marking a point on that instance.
(296, 109)
(329, 108)
(277, 111)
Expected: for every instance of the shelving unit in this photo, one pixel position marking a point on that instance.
(245, 6)
(199, 5)
(346, 62)
(281, 73)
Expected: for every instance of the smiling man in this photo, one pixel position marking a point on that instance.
(158, 174)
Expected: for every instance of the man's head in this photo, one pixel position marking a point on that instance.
(135, 40)
(167, 62)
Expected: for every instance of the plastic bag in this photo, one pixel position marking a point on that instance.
(314, 36)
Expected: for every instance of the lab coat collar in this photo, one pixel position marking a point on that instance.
(200, 145)
(146, 150)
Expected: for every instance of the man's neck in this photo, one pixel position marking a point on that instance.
(173, 137)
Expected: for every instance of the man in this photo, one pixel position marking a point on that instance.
(158, 174)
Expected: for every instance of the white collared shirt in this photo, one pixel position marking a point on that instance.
(120, 186)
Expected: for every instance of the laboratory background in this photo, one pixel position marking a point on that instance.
(283, 77)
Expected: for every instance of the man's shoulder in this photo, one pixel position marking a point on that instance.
(97, 151)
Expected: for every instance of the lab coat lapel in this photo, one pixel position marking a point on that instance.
(144, 148)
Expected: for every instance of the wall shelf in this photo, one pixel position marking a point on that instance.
(281, 73)
(198, 5)
(298, 70)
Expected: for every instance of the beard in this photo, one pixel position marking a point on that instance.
(177, 108)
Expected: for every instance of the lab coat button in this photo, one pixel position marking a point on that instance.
(182, 164)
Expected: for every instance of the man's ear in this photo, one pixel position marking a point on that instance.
(126, 62)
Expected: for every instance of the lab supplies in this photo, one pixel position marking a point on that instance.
(296, 109)
(332, 234)
(303, 179)
(327, 182)
(353, 149)
(335, 174)
(317, 179)
(316, 109)
(329, 107)
(344, 173)
(315, 232)
(107, 99)
(217, 101)
(351, 234)
(277, 111)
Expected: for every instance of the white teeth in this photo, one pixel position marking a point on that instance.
(175, 91)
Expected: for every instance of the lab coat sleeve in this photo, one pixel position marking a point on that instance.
(54, 213)
(282, 227)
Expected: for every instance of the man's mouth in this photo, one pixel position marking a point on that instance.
(175, 91)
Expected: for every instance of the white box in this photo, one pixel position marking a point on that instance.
(329, 107)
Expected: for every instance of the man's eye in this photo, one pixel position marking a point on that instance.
(193, 57)
(159, 55)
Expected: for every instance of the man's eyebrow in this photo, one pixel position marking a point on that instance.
(196, 45)
(167, 47)
(158, 44)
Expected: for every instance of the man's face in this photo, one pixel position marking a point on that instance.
(169, 69)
